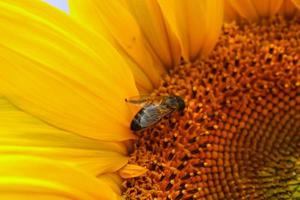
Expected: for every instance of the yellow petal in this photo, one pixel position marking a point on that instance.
(17, 127)
(297, 3)
(21, 133)
(130, 171)
(92, 161)
(230, 13)
(290, 8)
(142, 80)
(255, 9)
(62, 73)
(26, 177)
(155, 28)
(113, 180)
(114, 21)
(197, 23)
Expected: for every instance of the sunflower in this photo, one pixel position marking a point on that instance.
(239, 136)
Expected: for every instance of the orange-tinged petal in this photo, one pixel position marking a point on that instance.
(230, 14)
(26, 177)
(289, 8)
(115, 22)
(21, 133)
(197, 23)
(63, 73)
(296, 2)
(254, 9)
(130, 171)
(267, 8)
(157, 31)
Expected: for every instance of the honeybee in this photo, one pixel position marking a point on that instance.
(154, 109)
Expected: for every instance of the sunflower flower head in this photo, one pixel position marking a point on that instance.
(66, 127)
(239, 137)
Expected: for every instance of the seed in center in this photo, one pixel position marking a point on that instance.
(240, 135)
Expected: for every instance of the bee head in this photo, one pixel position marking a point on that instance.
(176, 102)
(180, 104)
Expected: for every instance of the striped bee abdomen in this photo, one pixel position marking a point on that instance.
(135, 123)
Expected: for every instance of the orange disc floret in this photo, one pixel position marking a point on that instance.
(240, 135)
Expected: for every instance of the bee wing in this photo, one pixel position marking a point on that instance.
(154, 114)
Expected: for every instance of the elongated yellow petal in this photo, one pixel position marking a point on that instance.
(58, 71)
(26, 177)
(130, 171)
(142, 80)
(156, 29)
(19, 128)
(289, 8)
(92, 161)
(255, 9)
(197, 23)
(230, 14)
(115, 22)
(113, 180)
(21, 133)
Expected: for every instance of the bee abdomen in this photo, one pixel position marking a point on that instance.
(136, 122)
(135, 125)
